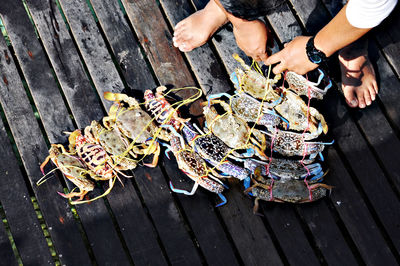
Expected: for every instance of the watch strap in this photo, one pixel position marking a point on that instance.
(314, 55)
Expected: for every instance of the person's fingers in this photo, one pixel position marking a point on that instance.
(279, 68)
(264, 57)
(275, 58)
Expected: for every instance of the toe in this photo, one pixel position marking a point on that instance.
(375, 86)
(367, 97)
(350, 97)
(179, 25)
(361, 99)
(372, 92)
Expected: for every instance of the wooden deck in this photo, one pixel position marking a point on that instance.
(54, 70)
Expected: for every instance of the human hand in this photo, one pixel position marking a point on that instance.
(293, 57)
(252, 37)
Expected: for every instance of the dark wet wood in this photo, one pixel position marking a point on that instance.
(6, 252)
(19, 211)
(96, 231)
(68, 69)
(33, 150)
(201, 215)
(65, 61)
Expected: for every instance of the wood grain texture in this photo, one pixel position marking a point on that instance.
(202, 219)
(92, 48)
(53, 104)
(31, 57)
(6, 252)
(124, 45)
(19, 210)
(65, 61)
(166, 60)
(33, 150)
(352, 209)
(166, 216)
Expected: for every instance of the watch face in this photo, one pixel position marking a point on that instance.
(315, 58)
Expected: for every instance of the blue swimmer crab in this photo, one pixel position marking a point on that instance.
(254, 83)
(194, 167)
(301, 86)
(234, 131)
(73, 169)
(289, 143)
(135, 124)
(300, 116)
(279, 168)
(214, 151)
(285, 190)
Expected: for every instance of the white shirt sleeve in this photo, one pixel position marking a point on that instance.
(368, 13)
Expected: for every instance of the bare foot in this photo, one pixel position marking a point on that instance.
(358, 77)
(196, 29)
(251, 37)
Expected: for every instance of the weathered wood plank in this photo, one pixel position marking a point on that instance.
(33, 150)
(202, 218)
(180, 240)
(6, 252)
(166, 60)
(65, 57)
(168, 221)
(65, 61)
(139, 234)
(123, 44)
(44, 83)
(156, 40)
(289, 233)
(355, 214)
(284, 23)
(312, 14)
(352, 143)
(92, 47)
(328, 237)
(236, 225)
(17, 205)
(247, 230)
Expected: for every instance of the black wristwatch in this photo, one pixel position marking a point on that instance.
(314, 55)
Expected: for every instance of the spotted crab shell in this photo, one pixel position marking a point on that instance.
(136, 124)
(294, 191)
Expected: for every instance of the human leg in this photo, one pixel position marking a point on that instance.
(358, 76)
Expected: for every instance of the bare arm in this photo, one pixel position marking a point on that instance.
(337, 34)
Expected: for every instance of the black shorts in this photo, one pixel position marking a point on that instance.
(251, 9)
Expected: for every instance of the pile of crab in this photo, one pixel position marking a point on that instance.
(264, 134)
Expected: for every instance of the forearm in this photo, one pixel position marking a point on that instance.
(337, 34)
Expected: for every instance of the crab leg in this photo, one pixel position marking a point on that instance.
(181, 191)
(222, 197)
